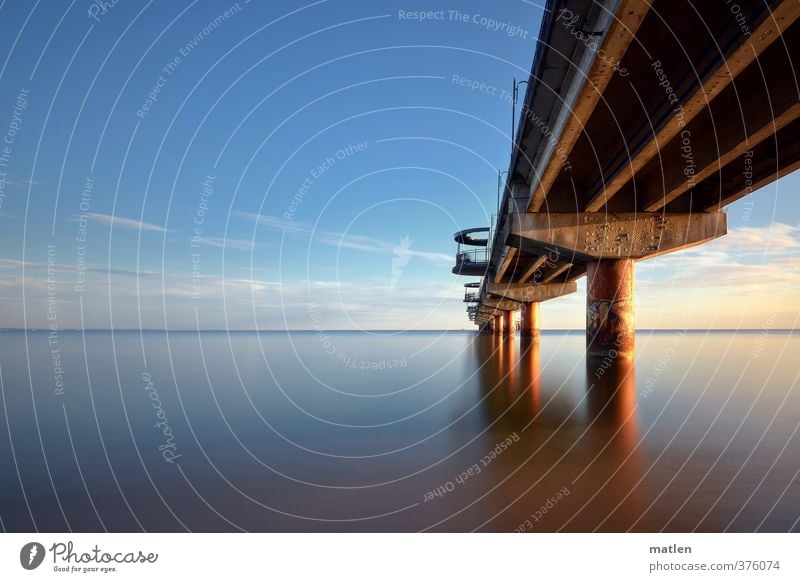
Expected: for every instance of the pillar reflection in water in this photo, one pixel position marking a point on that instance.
(612, 415)
(611, 400)
(509, 382)
(530, 368)
(508, 363)
(593, 455)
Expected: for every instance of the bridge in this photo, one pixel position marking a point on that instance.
(641, 121)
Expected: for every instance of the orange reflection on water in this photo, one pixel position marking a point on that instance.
(612, 397)
(530, 369)
(612, 412)
(578, 434)
(509, 362)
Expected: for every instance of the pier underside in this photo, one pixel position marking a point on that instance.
(630, 146)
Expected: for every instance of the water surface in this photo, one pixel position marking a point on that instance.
(342, 431)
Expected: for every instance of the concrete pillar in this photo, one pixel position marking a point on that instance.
(508, 323)
(609, 308)
(498, 324)
(529, 320)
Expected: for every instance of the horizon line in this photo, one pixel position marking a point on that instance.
(306, 330)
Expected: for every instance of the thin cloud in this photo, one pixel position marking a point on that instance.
(123, 272)
(278, 223)
(126, 223)
(342, 240)
(25, 183)
(227, 243)
(746, 258)
(14, 263)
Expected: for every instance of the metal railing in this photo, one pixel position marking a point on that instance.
(476, 256)
(471, 297)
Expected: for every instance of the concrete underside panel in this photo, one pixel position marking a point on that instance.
(626, 235)
(527, 292)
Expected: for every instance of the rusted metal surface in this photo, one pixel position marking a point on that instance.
(508, 323)
(609, 308)
(498, 324)
(529, 320)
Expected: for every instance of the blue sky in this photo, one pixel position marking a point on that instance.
(339, 145)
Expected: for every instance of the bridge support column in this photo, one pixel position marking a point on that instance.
(529, 320)
(609, 308)
(498, 324)
(508, 323)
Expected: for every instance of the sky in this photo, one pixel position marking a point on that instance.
(274, 165)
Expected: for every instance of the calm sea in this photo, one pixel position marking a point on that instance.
(342, 431)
